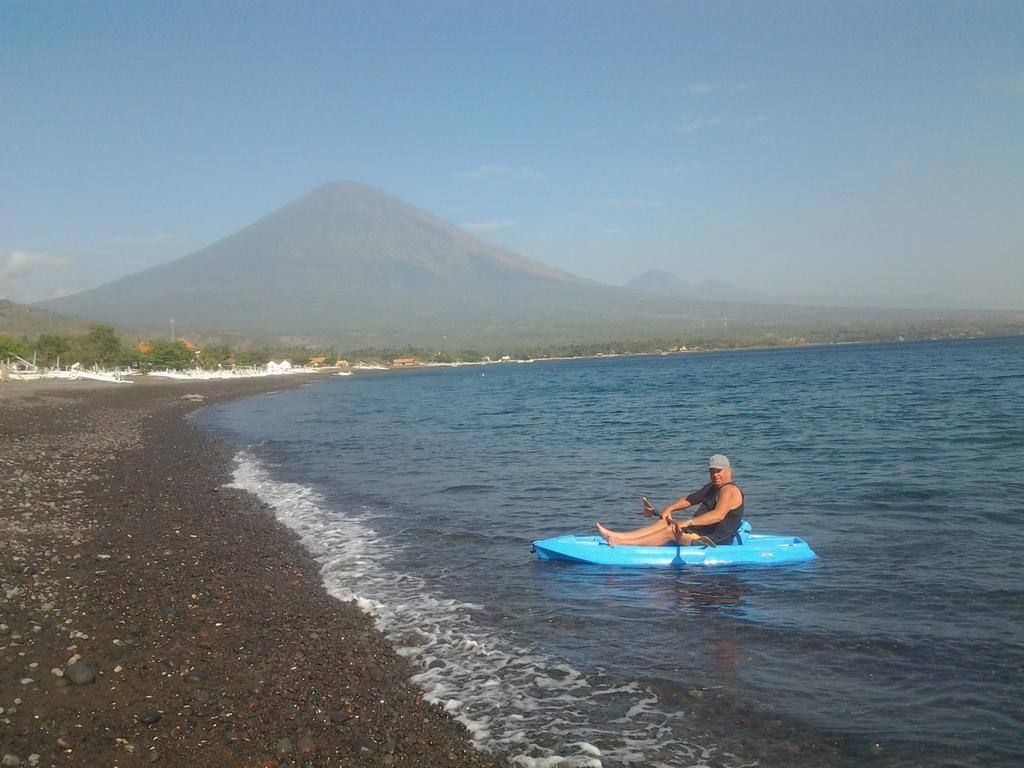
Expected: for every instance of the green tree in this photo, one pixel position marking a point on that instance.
(215, 355)
(169, 354)
(130, 356)
(51, 347)
(10, 347)
(100, 346)
(252, 357)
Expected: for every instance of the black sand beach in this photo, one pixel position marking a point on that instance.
(150, 615)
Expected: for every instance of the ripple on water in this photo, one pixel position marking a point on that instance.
(900, 465)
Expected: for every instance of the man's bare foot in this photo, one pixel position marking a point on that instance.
(606, 535)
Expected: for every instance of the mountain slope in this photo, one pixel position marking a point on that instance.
(344, 259)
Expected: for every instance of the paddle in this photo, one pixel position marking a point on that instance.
(707, 541)
(648, 508)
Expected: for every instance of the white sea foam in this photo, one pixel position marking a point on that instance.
(518, 700)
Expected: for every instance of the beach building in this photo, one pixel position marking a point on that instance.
(283, 367)
(317, 362)
(404, 362)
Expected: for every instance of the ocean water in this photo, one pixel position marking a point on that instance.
(901, 464)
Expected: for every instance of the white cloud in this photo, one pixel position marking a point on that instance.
(703, 89)
(157, 237)
(578, 220)
(624, 202)
(690, 125)
(21, 264)
(58, 291)
(503, 171)
(486, 226)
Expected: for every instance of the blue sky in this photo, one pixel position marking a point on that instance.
(799, 148)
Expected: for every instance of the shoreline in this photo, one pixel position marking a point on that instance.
(699, 351)
(205, 634)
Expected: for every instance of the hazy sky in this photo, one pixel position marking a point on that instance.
(790, 148)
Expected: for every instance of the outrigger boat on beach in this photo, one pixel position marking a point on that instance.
(746, 548)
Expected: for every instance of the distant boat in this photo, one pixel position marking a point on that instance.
(343, 373)
(110, 377)
(76, 372)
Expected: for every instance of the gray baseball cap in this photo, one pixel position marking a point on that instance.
(719, 461)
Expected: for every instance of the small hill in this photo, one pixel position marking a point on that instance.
(667, 284)
(21, 321)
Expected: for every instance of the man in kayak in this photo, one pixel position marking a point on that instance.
(716, 522)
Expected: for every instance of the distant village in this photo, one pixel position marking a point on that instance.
(101, 354)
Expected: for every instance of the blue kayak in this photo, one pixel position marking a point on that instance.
(747, 549)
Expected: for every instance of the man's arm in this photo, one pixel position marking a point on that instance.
(686, 501)
(728, 499)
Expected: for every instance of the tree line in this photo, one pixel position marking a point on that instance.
(101, 346)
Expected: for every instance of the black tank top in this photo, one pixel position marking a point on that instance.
(722, 531)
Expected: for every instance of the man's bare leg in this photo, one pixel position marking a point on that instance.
(626, 537)
(659, 538)
(609, 536)
(653, 535)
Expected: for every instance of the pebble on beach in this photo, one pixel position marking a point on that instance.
(80, 673)
(125, 553)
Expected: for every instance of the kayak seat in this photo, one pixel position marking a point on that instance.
(736, 538)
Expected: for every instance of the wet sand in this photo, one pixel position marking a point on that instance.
(150, 615)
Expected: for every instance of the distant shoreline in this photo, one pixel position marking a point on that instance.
(421, 365)
(716, 350)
